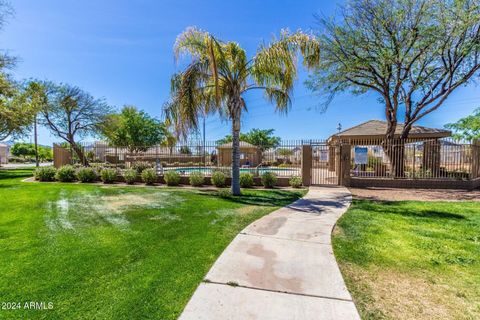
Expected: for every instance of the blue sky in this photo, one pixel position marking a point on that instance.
(122, 50)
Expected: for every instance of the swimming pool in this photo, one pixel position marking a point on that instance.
(259, 171)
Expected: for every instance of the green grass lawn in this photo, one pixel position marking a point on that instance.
(411, 259)
(109, 252)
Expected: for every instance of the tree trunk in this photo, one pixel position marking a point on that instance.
(78, 150)
(35, 139)
(236, 149)
(396, 153)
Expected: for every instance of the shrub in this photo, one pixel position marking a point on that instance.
(172, 178)
(86, 175)
(269, 179)
(149, 176)
(130, 176)
(295, 182)
(225, 193)
(65, 173)
(140, 166)
(218, 179)
(196, 179)
(246, 180)
(108, 175)
(45, 173)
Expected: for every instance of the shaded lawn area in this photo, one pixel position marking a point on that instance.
(411, 259)
(114, 252)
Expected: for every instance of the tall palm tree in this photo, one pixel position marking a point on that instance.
(219, 73)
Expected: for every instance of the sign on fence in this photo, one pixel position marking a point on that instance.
(361, 155)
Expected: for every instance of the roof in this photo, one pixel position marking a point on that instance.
(243, 144)
(375, 129)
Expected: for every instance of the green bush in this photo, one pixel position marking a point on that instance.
(196, 179)
(45, 173)
(269, 179)
(295, 182)
(108, 175)
(149, 176)
(218, 179)
(172, 178)
(66, 173)
(130, 176)
(141, 165)
(225, 193)
(246, 180)
(86, 175)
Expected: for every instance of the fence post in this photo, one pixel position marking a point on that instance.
(306, 164)
(475, 159)
(343, 155)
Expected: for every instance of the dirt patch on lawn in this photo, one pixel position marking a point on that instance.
(388, 294)
(394, 194)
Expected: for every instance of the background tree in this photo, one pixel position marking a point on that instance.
(285, 153)
(34, 98)
(263, 139)
(21, 149)
(413, 54)
(134, 129)
(15, 118)
(219, 73)
(170, 141)
(72, 114)
(467, 128)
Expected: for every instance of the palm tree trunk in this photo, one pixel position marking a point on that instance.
(236, 151)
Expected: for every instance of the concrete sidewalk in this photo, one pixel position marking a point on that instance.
(280, 267)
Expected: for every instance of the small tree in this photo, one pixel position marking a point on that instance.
(412, 54)
(71, 114)
(21, 149)
(467, 128)
(133, 129)
(263, 139)
(285, 153)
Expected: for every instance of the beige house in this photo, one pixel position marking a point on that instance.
(249, 154)
(4, 151)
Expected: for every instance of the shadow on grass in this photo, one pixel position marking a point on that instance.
(15, 173)
(404, 208)
(265, 198)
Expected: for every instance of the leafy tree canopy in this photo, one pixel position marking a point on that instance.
(467, 128)
(71, 113)
(413, 54)
(264, 139)
(15, 116)
(22, 149)
(134, 129)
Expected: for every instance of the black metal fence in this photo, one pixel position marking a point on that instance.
(426, 159)
(283, 159)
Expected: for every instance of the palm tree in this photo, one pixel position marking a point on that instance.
(219, 73)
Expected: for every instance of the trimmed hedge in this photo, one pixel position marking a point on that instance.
(218, 179)
(295, 182)
(45, 174)
(130, 176)
(196, 179)
(86, 175)
(149, 176)
(108, 175)
(66, 174)
(269, 179)
(172, 178)
(246, 180)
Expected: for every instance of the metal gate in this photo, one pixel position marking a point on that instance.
(323, 164)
